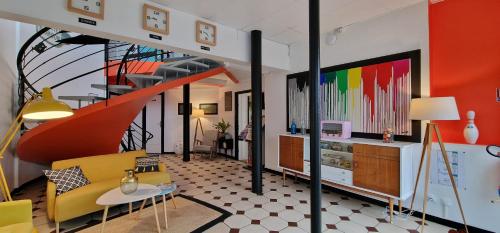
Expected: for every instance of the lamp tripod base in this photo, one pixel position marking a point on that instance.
(426, 152)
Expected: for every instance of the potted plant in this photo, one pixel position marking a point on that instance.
(222, 127)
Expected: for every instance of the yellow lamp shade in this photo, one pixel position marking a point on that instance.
(198, 112)
(46, 108)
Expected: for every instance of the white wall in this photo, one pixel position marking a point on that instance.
(244, 77)
(199, 94)
(9, 45)
(173, 121)
(79, 87)
(399, 31)
(123, 22)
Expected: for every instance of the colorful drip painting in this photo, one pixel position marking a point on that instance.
(373, 94)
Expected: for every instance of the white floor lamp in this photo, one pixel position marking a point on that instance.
(198, 114)
(436, 108)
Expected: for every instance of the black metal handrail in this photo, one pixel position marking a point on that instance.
(32, 69)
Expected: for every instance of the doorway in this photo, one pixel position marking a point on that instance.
(242, 119)
(155, 112)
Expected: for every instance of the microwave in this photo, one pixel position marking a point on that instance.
(335, 129)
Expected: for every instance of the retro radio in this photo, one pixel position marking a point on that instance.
(335, 129)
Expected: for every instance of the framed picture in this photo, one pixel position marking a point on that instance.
(92, 8)
(210, 109)
(228, 101)
(155, 19)
(180, 109)
(206, 33)
(372, 94)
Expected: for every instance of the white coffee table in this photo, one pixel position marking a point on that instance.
(116, 197)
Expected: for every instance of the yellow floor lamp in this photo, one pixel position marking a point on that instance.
(435, 108)
(41, 107)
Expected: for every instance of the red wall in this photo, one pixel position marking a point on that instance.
(465, 63)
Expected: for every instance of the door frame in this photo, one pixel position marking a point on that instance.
(236, 116)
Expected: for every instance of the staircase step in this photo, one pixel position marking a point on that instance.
(212, 82)
(143, 81)
(89, 98)
(168, 67)
(120, 89)
(198, 63)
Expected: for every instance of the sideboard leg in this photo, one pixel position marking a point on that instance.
(400, 206)
(391, 209)
(284, 176)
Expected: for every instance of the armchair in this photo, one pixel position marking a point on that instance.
(16, 217)
(208, 145)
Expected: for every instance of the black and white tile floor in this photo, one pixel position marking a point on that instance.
(282, 208)
(226, 184)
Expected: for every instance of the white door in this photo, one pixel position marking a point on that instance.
(153, 125)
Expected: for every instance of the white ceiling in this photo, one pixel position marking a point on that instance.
(284, 21)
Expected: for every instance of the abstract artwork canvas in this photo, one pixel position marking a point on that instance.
(372, 94)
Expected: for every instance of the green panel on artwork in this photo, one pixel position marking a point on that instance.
(342, 80)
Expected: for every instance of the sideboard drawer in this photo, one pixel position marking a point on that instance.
(336, 175)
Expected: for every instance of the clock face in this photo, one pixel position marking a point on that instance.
(206, 33)
(94, 8)
(155, 19)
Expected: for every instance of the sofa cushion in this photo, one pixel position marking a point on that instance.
(202, 148)
(102, 167)
(147, 164)
(83, 200)
(67, 179)
(26, 227)
(155, 178)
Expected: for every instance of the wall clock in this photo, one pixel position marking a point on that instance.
(206, 33)
(155, 19)
(92, 8)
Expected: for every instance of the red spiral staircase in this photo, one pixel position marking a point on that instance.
(99, 128)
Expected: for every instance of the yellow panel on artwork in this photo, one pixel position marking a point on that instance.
(354, 78)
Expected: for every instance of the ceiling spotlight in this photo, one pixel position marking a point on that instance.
(331, 37)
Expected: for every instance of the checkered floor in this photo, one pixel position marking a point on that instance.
(281, 209)
(226, 184)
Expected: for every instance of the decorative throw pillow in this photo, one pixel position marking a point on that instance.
(67, 179)
(147, 164)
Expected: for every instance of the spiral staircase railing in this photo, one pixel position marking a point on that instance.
(50, 59)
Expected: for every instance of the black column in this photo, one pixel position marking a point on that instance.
(185, 123)
(256, 59)
(144, 131)
(162, 122)
(314, 100)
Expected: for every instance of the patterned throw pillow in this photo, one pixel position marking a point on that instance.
(67, 179)
(147, 164)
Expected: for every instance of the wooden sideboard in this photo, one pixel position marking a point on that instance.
(363, 166)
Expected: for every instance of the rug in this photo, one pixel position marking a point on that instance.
(191, 215)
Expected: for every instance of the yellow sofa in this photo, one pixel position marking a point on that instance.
(16, 217)
(104, 173)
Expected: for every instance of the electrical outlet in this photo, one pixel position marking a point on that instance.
(431, 198)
